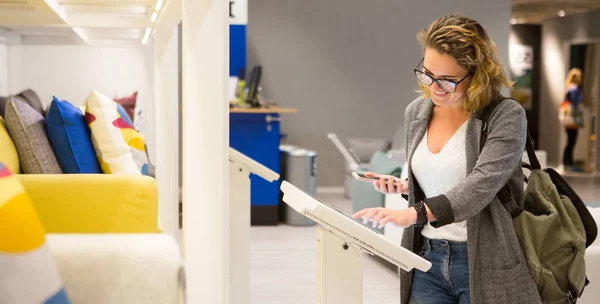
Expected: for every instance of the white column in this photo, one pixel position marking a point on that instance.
(239, 241)
(205, 149)
(166, 69)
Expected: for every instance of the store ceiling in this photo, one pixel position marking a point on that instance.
(127, 21)
(535, 11)
(81, 21)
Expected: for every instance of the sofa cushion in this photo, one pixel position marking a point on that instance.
(8, 152)
(381, 163)
(118, 146)
(70, 138)
(123, 113)
(32, 99)
(28, 131)
(3, 100)
(29, 273)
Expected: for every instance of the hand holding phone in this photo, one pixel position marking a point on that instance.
(386, 184)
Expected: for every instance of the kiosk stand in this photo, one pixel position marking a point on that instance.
(341, 238)
(339, 270)
(240, 168)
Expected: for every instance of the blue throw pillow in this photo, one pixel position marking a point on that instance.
(70, 137)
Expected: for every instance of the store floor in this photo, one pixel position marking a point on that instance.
(284, 259)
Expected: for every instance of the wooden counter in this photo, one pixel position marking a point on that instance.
(263, 110)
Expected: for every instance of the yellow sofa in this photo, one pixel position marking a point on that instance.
(87, 203)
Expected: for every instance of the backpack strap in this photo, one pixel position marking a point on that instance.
(504, 194)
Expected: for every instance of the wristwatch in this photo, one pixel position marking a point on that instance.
(421, 214)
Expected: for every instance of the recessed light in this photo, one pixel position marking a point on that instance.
(561, 13)
(146, 36)
(513, 21)
(159, 5)
(154, 16)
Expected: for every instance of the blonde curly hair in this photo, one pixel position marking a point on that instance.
(465, 40)
(574, 77)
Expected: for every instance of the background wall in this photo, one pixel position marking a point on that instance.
(71, 72)
(556, 34)
(3, 69)
(348, 65)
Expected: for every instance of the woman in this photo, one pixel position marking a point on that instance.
(454, 219)
(571, 115)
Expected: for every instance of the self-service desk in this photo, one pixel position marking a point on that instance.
(255, 132)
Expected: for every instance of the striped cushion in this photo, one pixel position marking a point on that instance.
(28, 272)
(28, 132)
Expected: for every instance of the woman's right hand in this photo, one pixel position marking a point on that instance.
(388, 184)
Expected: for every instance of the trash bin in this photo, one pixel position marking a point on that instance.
(284, 153)
(301, 171)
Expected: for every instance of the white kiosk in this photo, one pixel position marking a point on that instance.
(240, 168)
(340, 237)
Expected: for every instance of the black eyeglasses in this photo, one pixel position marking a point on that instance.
(446, 85)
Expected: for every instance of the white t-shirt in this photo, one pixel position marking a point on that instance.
(438, 173)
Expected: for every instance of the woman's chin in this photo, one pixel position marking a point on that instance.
(440, 99)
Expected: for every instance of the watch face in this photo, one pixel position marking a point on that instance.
(421, 214)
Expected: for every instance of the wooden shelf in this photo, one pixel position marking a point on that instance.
(263, 110)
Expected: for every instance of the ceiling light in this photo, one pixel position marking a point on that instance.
(561, 13)
(154, 15)
(159, 5)
(513, 21)
(146, 36)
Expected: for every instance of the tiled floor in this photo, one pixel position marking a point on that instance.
(588, 188)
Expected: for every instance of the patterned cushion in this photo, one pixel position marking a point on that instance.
(123, 113)
(128, 103)
(70, 138)
(118, 146)
(29, 274)
(28, 131)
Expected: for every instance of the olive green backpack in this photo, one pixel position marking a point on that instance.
(554, 227)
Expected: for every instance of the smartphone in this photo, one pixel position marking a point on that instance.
(362, 177)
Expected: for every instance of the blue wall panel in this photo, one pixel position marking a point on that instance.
(237, 48)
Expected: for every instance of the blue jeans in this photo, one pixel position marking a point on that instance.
(448, 279)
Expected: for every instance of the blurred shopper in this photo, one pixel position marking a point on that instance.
(571, 115)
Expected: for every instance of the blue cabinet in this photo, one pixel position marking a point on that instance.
(257, 136)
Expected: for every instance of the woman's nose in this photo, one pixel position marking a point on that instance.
(436, 87)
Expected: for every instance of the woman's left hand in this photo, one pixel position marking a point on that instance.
(381, 216)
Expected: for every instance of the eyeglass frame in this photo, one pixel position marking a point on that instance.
(456, 83)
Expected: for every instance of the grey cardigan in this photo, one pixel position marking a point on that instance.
(498, 271)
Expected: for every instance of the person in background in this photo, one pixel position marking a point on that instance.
(454, 219)
(571, 115)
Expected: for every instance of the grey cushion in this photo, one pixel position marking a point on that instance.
(2, 105)
(27, 129)
(31, 98)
